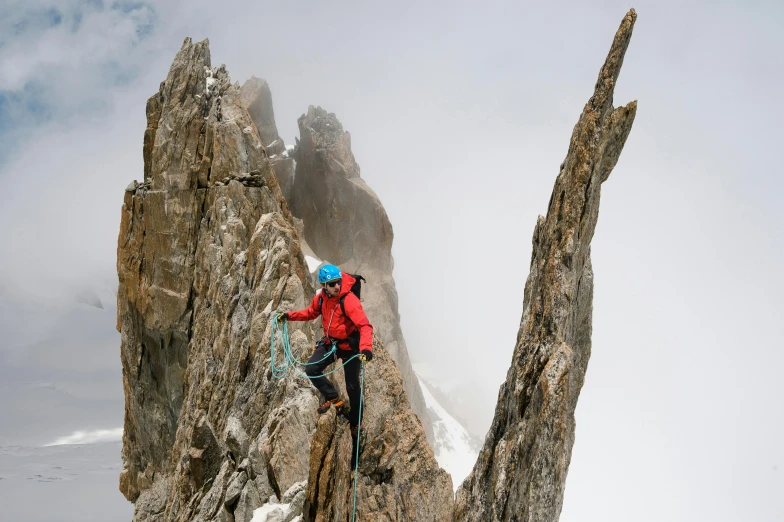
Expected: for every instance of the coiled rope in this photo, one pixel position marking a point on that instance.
(291, 362)
(289, 359)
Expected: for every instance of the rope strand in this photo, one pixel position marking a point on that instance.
(359, 434)
(292, 362)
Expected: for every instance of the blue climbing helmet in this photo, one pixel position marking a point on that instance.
(329, 273)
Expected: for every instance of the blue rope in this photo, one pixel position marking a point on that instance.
(359, 434)
(292, 362)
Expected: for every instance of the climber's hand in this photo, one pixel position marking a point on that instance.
(282, 317)
(366, 355)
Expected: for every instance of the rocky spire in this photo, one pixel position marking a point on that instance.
(521, 470)
(207, 251)
(346, 224)
(256, 98)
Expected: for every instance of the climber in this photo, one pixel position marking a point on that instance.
(346, 324)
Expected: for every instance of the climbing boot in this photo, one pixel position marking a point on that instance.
(324, 408)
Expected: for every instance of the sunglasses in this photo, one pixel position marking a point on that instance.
(333, 284)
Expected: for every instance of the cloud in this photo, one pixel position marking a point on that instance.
(459, 119)
(71, 103)
(89, 437)
(58, 59)
(42, 41)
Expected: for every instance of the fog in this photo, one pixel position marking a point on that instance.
(460, 115)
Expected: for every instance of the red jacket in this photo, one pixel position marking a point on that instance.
(336, 325)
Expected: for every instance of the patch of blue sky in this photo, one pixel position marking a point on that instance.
(24, 110)
(20, 113)
(20, 27)
(127, 7)
(145, 16)
(25, 107)
(35, 109)
(146, 29)
(19, 21)
(55, 17)
(83, 7)
(118, 74)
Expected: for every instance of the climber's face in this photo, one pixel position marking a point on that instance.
(333, 288)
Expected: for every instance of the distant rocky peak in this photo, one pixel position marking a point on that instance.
(324, 124)
(322, 131)
(339, 218)
(345, 223)
(256, 97)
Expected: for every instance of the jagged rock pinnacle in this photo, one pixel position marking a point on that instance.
(345, 223)
(207, 252)
(521, 470)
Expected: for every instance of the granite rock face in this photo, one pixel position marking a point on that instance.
(521, 470)
(207, 252)
(346, 224)
(398, 477)
(256, 98)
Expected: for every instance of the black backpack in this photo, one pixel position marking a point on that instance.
(356, 289)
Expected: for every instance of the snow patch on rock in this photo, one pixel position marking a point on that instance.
(263, 513)
(313, 263)
(453, 445)
(287, 510)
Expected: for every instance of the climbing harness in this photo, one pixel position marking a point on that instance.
(291, 361)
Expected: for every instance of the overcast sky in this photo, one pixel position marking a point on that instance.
(460, 115)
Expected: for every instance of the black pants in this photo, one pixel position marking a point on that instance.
(350, 372)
